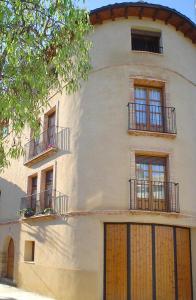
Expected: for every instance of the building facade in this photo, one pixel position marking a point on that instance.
(107, 191)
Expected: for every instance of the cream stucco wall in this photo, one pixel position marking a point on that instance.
(94, 173)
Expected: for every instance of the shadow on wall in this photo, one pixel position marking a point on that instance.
(48, 238)
(5, 298)
(47, 234)
(9, 229)
(49, 241)
(10, 199)
(101, 183)
(63, 145)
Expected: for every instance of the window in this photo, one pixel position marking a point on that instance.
(148, 108)
(29, 251)
(36, 143)
(33, 192)
(48, 186)
(50, 130)
(4, 128)
(146, 41)
(151, 182)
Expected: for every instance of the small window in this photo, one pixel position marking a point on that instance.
(146, 41)
(4, 127)
(29, 253)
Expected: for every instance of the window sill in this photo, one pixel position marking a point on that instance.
(43, 155)
(29, 262)
(151, 133)
(147, 52)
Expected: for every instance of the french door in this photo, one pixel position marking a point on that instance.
(51, 129)
(33, 192)
(148, 109)
(48, 189)
(151, 183)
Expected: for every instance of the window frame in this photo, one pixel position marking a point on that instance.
(147, 35)
(148, 200)
(29, 251)
(148, 125)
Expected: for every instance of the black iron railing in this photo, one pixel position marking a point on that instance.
(146, 43)
(48, 201)
(154, 195)
(52, 138)
(153, 118)
(148, 48)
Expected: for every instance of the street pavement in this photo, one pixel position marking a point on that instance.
(11, 293)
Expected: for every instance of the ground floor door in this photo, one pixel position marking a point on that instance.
(147, 262)
(10, 260)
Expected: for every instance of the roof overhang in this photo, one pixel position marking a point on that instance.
(145, 10)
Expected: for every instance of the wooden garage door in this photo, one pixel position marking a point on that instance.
(147, 262)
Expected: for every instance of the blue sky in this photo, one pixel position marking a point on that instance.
(186, 7)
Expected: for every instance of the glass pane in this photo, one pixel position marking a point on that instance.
(158, 168)
(156, 106)
(155, 94)
(142, 189)
(158, 191)
(155, 113)
(140, 104)
(155, 119)
(140, 93)
(141, 117)
(142, 171)
(140, 112)
(158, 173)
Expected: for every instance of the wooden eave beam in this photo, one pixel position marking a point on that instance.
(141, 12)
(180, 25)
(188, 31)
(168, 18)
(98, 19)
(126, 13)
(112, 14)
(155, 14)
(194, 40)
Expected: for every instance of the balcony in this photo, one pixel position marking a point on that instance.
(45, 145)
(154, 196)
(44, 204)
(151, 120)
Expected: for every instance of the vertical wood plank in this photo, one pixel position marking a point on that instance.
(116, 262)
(164, 251)
(141, 262)
(183, 264)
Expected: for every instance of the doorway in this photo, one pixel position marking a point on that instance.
(10, 260)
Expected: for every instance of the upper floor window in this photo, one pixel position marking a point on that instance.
(151, 188)
(51, 128)
(148, 108)
(146, 41)
(45, 144)
(48, 189)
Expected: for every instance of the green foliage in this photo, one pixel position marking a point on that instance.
(26, 212)
(43, 47)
